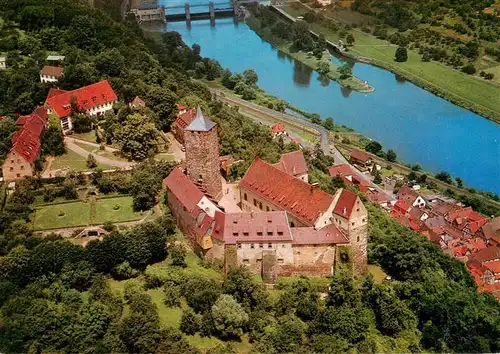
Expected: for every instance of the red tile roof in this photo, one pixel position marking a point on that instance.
(341, 170)
(359, 155)
(492, 228)
(402, 206)
(477, 244)
(466, 217)
(494, 266)
(330, 235)
(26, 141)
(52, 71)
(184, 189)
(488, 254)
(87, 97)
(346, 203)
(54, 92)
(181, 107)
(277, 128)
(407, 194)
(184, 119)
(137, 102)
(253, 227)
(293, 163)
(299, 198)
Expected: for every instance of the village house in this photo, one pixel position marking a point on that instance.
(466, 220)
(411, 197)
(149, 13)
(51, 73)
(277, 129)
(26, 146)
(95, 99)
(294, 164)
(137, 102)
(184, 118)
(360, 159)
(289, 227)
(3, 63)
(491, 231)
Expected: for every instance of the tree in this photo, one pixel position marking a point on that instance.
(460, 182)
(445, 177)
(7, 128)
(229, 317)
(225, 79)
(53, 142)
(200, 293)
(374, 147)
(91, 161)
(190, 322)
(391, 155)
(378, 178)
(137, 137)
(250, 77)
(178, 256)
(328, 124)
(401, 54)
(469, 69)
(239, 284)
(350, 39)
(338, 182)
(345, 71)
(324, 67)
(81, 123)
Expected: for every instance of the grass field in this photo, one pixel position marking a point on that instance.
(90, 136)
(75, 214)
(462, 89)
(104, 210)
(81, 213)
(74, 162)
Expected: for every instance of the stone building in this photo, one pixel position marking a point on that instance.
(202, 154)
(184, 118)
(95, 99)
(26, 146)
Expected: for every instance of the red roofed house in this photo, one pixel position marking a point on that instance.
(51, 73)
(94, 99)
(26, 146)
(411, 197)
(137, 102)
(359, 158)
(294, 163)
(467, 220)
(277, 129)
(181, 122)
(485, 268)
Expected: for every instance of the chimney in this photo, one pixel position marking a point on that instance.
(344, 211)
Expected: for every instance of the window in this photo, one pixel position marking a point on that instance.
(280, 260)
(358, 238)
(254, 202)
(11, 169)
(280, 233)
(260, 205)
(22, 168)
(352, 224)
(267, 208)
(245, 234)
(246, 261)
(245, 196)
(235, 234)
(11, 161)
(269, 245)
(252, 246)
(261, 245)
(18, 175)
(259, 233)
(283, 246)
(239, 246)
(269, 233)
(364, 219)
(357, 209)
(292, 224)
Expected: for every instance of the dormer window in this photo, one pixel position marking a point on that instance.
(235, 234)
(245, 234)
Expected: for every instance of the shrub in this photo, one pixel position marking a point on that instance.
(125, 271)
(469, 69)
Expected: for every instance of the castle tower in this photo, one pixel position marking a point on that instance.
(202, 154)
(351, 216)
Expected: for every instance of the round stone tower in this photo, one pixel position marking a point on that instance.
(202, 154)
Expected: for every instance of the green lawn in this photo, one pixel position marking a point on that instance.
(74, 162)
(90, 136)
(80, 213)
(453, 84)
(165, 157)
(105, 210)
(75, 214)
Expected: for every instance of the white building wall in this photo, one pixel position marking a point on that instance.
(100, 109)
(47, 78)
(253, 256)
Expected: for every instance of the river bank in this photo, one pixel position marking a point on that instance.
(454, 86)
(308, 59)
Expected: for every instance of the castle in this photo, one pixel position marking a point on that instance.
(286, 226)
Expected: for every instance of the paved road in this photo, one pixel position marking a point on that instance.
(70, 144)
(327, 147)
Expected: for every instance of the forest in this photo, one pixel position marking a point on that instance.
(56, 295)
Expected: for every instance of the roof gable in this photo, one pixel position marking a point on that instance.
(48, 70)
(293, 163)
(184, 119)
(184, 189)
(345, 204)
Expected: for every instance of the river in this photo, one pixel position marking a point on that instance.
(420, 127)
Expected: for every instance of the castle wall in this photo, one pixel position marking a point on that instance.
(16, 167)
(202, 160)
